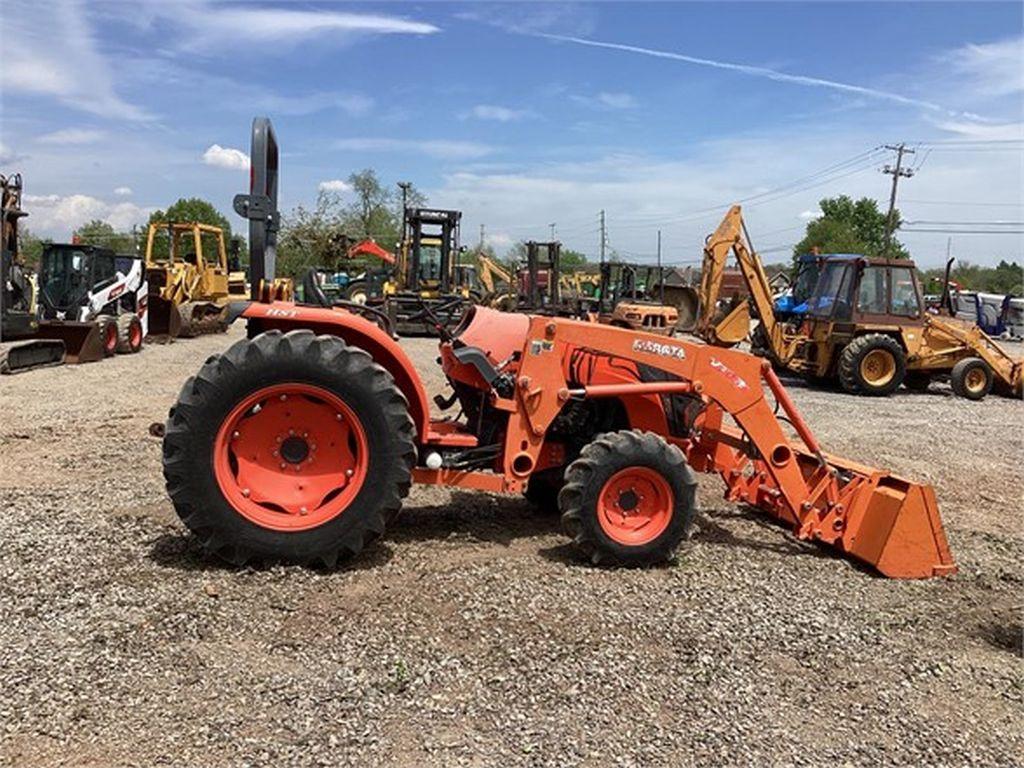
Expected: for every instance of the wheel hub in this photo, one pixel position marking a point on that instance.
(294, 450)
(635, 506)
(628, 500)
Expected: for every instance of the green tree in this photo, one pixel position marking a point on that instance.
(848, 226)
(312, 238)
(571, 260)
(30, 247)
(102, 234)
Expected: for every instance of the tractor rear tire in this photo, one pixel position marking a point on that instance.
(873, 364)
(129, 333)
(109, 334)
(240, 451)
(628, 499)
(971, 378)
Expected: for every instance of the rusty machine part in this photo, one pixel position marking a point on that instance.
(22, 348)
(263, 463)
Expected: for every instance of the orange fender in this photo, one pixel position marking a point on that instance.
(354, 330)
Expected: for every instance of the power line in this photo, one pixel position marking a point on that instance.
(961, 202)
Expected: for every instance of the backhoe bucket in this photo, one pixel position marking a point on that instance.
(82, 342)
(18, 356)
(687, 301)
(164, 318)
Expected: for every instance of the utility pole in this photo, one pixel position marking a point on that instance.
(896, 172)
(552, 225)
(480, 248)
(404, 186)
(604, 237)
(661, 275)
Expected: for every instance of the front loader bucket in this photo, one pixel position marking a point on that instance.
(18, 356)
(82, 342)
(900, 532)
(164, 318)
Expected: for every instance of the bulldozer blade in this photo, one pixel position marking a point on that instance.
(198, 318)
(18, 356)
(164, 319)
(82, 342)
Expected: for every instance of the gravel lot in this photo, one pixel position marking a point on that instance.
(471, 635)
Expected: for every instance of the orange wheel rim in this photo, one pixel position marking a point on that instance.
(291, 457)
(975, 380)
(635, 506)
(135, 335)
(110, 340)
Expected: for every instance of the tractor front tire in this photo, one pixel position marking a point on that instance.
(628, 499)
(246, 445)
(971, 378)
(129, 333)
(873, 364)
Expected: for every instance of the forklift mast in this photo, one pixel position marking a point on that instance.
(429, 224)
(538, 296)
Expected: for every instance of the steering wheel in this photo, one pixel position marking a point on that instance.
(429, 317)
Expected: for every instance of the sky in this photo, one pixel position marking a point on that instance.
(531, 114)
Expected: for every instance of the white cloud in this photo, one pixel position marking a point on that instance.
(226, 157)
(8, 155)
(808, 215)
(123, 191)
(231, 25)
(72, 136)
(994, 69)
(986, 131)
(74, 71)
(616, 100)
(57, 216)
(747, 69)
(606, 100)
(436, 148)
(334, 185)
(497, 113)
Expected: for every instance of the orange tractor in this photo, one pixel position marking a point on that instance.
(299, 442)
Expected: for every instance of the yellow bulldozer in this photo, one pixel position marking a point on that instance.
(190, 281)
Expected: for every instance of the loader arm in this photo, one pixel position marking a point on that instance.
(888, 522)
(1009, 372)
(731, 237)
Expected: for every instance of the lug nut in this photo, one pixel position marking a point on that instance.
(349, 473)
(283, 398)
(303, 511)
(246, 492)
(235, 435)
(339, 417)
(283, 465)
(273, 453)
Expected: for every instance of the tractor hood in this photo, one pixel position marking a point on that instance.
(497, 334)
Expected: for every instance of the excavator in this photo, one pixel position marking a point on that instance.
(300, 441)
(866, 325)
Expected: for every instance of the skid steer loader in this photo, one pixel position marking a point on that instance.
(299, 442)
(93, 300)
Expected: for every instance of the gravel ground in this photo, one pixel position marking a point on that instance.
(471, 635)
